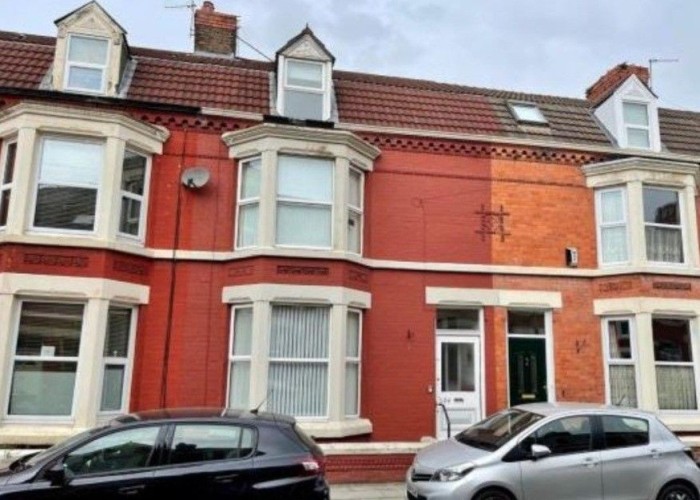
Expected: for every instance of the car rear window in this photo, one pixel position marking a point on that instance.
(274, 441)
(621, 432)
(306, 439)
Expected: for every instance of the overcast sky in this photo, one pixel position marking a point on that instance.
(546, 46)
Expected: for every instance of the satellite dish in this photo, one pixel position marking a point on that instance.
(195, 177)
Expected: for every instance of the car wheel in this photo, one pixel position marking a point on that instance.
(677, 492)
(497, 495)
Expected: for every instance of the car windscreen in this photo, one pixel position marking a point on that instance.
(57, 448)
(498, 429)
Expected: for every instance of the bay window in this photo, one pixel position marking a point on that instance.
(297, 350)
(304, 201)
(663, 229)
(117, 349)
(248, 203)
(299, 189)
(239, 358)
(6, 177)
(621, 362)
(298, 360)
(645, 213)
(69, 178)
(612, 225)
(46, 359)
(86, 64)
(132, 193)
(675, 370)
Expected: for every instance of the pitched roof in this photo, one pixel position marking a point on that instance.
(307, 32)
(169, 77)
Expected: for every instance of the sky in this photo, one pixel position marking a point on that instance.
(557, 47)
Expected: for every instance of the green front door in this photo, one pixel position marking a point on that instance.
(527, 363)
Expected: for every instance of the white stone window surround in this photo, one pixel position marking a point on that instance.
(90, 21)
(284, 85)
(97, 295)
(269, 141)
(611, 113)
(341, 300)
(29, 122)
(70, 64)
(640, 310)
(633, 175)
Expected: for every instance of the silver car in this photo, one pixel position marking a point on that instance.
(558, 451)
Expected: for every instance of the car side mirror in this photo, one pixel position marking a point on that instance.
(538, 451)
(57, 475)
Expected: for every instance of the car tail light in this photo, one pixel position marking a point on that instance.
(314, 465)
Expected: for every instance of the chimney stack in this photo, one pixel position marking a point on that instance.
(607, 83)
(214, 32)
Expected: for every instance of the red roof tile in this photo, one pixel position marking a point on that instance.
(244, 85)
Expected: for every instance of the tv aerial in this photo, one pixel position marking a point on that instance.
(192, 6)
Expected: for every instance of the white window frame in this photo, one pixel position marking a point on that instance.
(359, 212)
(354, 360)
(70, 64)
(515, 106)
(255, 200)
(694, 348)
(681, 226)
(324, 91)
(6, 187)
(143, 198)
(628, 126)
(127, 363)
(240, 358)
(609, 360)
(37, 178)
(600, 225)
(8, 417)
(294, 202)
(318, 361)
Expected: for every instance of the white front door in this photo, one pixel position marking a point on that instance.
(458, 383)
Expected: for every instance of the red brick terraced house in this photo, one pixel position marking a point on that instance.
(368, 253)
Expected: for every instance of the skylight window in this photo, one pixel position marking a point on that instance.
(527, 113)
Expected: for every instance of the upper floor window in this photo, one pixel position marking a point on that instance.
(68, 183)
(612, 225)
(636, 123)
(304, 201)
(88, 186)
(291, 200)
(86, 64)
(663, 228)
(133, 188)
(6, 176)
(305, 90)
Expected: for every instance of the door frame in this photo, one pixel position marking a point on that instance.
(478, 335)
(548, 349)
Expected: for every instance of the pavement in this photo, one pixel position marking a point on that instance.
(364, 491)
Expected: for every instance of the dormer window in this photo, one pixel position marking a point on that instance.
(91, 55)
(304, 78)
(86, 64)
(636, 122)
(304, 90)
(527, 113)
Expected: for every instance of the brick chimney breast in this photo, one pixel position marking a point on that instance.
(610, 81)
(214, 32)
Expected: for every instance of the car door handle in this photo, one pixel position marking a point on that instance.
(590, 462)
(655, 454)
(226, 479)
(128, 491)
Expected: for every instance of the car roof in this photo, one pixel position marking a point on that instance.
(204, 413)
(554, 409)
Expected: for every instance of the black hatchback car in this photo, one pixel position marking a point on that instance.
(196, 453)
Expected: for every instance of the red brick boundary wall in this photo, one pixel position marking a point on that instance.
(377, 468)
